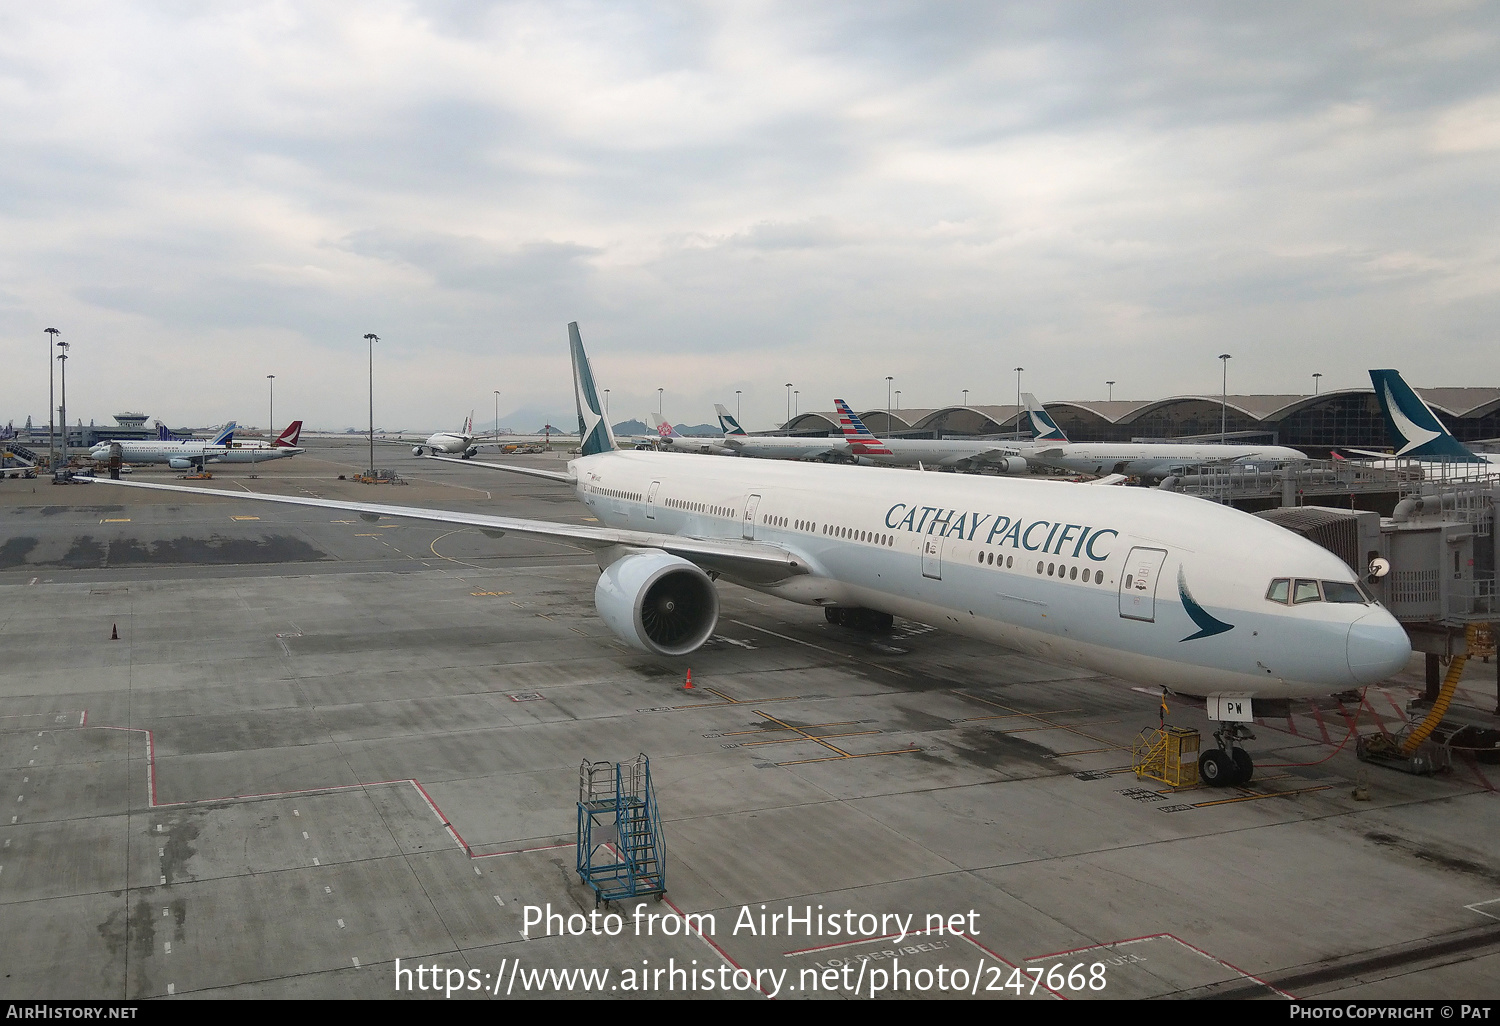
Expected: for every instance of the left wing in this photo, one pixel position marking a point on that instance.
(551, 475)
(744, 560)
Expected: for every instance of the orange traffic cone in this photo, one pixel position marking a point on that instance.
(114, 632)
(689, 685)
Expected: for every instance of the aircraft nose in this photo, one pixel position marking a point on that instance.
(1378, 647)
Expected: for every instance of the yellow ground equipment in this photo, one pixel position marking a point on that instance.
(1410, 749)
(1169, 754)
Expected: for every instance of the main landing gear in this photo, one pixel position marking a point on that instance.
(868, 620)
(1226, 765)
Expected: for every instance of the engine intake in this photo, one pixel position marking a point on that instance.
(658, 602)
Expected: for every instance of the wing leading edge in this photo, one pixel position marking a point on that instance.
(744, 560)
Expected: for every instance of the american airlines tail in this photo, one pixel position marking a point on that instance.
(1043, 427)
(727, 421)
(859, 437)
(1415, 431)
(593, 428)
(226, 436)
(288, 438)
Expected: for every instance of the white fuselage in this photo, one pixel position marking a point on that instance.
(783, 447)
(449, 442)
(1149, 459)
(1148, 586)
(166, 452)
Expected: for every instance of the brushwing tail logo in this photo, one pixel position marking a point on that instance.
(592, 427)
(1208, 624)
(288, 438)
(727, 421)
(857, 435)
(1043, 427)
(1415, 430)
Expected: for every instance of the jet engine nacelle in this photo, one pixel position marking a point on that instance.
(178, 463)
(416, 450)
(471, 452)
(658, 602)
(1010, 465)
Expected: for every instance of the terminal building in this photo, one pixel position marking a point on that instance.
(1314, 423)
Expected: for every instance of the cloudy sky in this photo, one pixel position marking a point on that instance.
(732, 196)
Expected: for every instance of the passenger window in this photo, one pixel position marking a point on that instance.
(1342, 591)
(1073, 574)
(1305, 591)
(1278, 592)
(1098, 576)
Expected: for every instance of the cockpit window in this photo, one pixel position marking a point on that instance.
(1305, 591)
(1279, 589)
(1342, 591)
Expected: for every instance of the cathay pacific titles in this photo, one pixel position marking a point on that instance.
(1002, 530)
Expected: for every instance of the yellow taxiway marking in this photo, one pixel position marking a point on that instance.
(343, 521)
(1253, 797)
(115, 520)
(840, 753)
(480, 593)
(244, 518)
(367, 536)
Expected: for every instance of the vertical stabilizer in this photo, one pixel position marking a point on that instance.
(225, 436)
(593, 429)
(1043, 427)
(288, 438)
(859, 437)
(1415, 431)
(727, 421)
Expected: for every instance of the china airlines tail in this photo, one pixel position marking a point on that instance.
(861, 441)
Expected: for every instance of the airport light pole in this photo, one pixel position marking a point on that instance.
(1224, 358)
(1018, 402)
(658, 405)
(52, 334)
(737, 403)
(606, 404)
(272, 379)
(966, 398)
(372, 338)
(495, 427)
(1111, 385)
(1316, 376)
(63, 416)
(898, 398)
(788, 402)
(888, 380)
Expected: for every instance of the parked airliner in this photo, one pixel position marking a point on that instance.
(965, 454)
(1140, 584)
(776, 447)
(1151, 461)
(461, 441)
(194, 453)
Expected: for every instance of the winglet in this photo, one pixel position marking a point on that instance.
(1415, 431)
(1043, 427)
(592, 427)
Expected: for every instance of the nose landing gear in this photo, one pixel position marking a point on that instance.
(1227, 766)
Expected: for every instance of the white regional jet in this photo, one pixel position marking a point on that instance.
(1136, 583)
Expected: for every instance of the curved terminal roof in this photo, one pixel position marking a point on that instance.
(1174, 416)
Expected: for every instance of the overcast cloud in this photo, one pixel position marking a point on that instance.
(734, 196)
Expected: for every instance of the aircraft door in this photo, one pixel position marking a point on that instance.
(1138, 585)
(749, 527)
(932, 556)
(651, 500)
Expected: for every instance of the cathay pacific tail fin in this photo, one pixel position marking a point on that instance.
(1043, 427)
(1415, 431)
(592, 426)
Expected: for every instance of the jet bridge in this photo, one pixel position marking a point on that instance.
(1432, 563)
